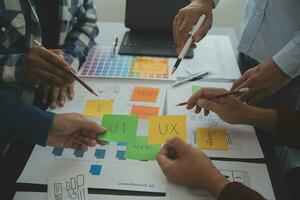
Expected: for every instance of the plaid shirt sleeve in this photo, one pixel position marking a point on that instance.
(10, 68)
(81, 38)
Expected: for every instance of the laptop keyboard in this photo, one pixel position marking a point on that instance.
(149, 40)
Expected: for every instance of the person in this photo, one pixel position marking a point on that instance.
(66, 29)
(21, 121)
(192, 167)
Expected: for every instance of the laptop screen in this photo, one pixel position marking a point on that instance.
(152, 15)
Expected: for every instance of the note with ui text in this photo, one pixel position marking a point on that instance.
(211, 139)
(144, 112)
(97, 108)
(139, 149)
(119, 128)
(162, 128)
(145, 94)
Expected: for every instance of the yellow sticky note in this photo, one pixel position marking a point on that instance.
(212, 139)
(162, 128)
(151, 66)
(98, 108)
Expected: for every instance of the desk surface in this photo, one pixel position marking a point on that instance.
(107, 34)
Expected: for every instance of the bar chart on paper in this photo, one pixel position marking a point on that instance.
(105, 166)
(101, 63)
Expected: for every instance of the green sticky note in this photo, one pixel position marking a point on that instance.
(119, 128)
(195, 89)
(139, 149)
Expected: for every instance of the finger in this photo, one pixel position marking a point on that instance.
(204, 28)
(162, 159)
(62, 97)
(91, 129)
(86, 141)
(237, 84)
(54, 97)
(255, 99)
(245, 97)
(208, 105)
(46, 90)
(179, 145)
(58, 52)
(198, 109)
(70, 91)
(78, 147)
(206, 112)
(43, 77)
(102, 142)
(175, 29)
(184, 30)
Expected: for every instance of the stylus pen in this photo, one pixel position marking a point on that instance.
(72, 73)
(115, 44)
(193, 77)
(238, 92)
(188, 43)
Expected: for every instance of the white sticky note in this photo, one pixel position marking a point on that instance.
(68, 188)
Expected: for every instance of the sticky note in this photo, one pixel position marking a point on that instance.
(119, 128)
(145, 94)
(195, 89)
(151, 66)
(139, 149)
(98, 108)
(211, 139)
(163, 127)
(144, 112)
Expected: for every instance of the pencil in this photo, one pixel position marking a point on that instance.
(73, 74)
(239, 92)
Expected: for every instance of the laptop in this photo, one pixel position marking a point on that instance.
(151, 23)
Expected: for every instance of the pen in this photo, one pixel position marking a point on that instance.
(115, 44)
(239, 91)
(72, 73)
(188, 43)
(193, 77)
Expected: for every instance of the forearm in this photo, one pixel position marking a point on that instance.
(213, 2)
(22, 121)
(261, 118)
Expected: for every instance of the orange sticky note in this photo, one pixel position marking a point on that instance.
(98, 108)
(212, 139)
(144, 112)
(151, 66)
(145, 94)
(162, 128)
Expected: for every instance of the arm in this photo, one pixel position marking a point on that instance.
(21, 121)
(10, 67)
(193, 168)
(81, 38)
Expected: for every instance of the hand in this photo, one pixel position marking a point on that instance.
(187, 17)
(229, 108)
(262, 80)
(58, 95)
(41, 66)
(74, 131)
(191, 167)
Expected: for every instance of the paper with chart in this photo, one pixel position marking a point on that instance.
(67, 188)
(213, 54)
(241, 139)
(117, 98)
(252, 175)
(105, 167)
(43, 196)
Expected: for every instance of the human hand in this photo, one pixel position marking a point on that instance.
(229, 108)
(262, 81)
(74, 131)
(191, 167)
(187, 17)
(58, 95)
(41, 66)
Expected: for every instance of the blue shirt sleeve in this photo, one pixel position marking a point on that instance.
(19, 120)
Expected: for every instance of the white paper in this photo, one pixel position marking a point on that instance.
(242, 140)
(252, 175)
(104, 166)
(67, 188)
(43, 196)
(213, 54)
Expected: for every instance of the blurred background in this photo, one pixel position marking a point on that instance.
(228, 13)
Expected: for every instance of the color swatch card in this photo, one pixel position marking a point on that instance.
(211, 139)
(101, 63)
(145, 94)
(144, 112)
(97, 108)
(139, 149)
(162, 128)
(119, 128)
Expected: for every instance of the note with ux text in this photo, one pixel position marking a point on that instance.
(162, 128)
(119, 128)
